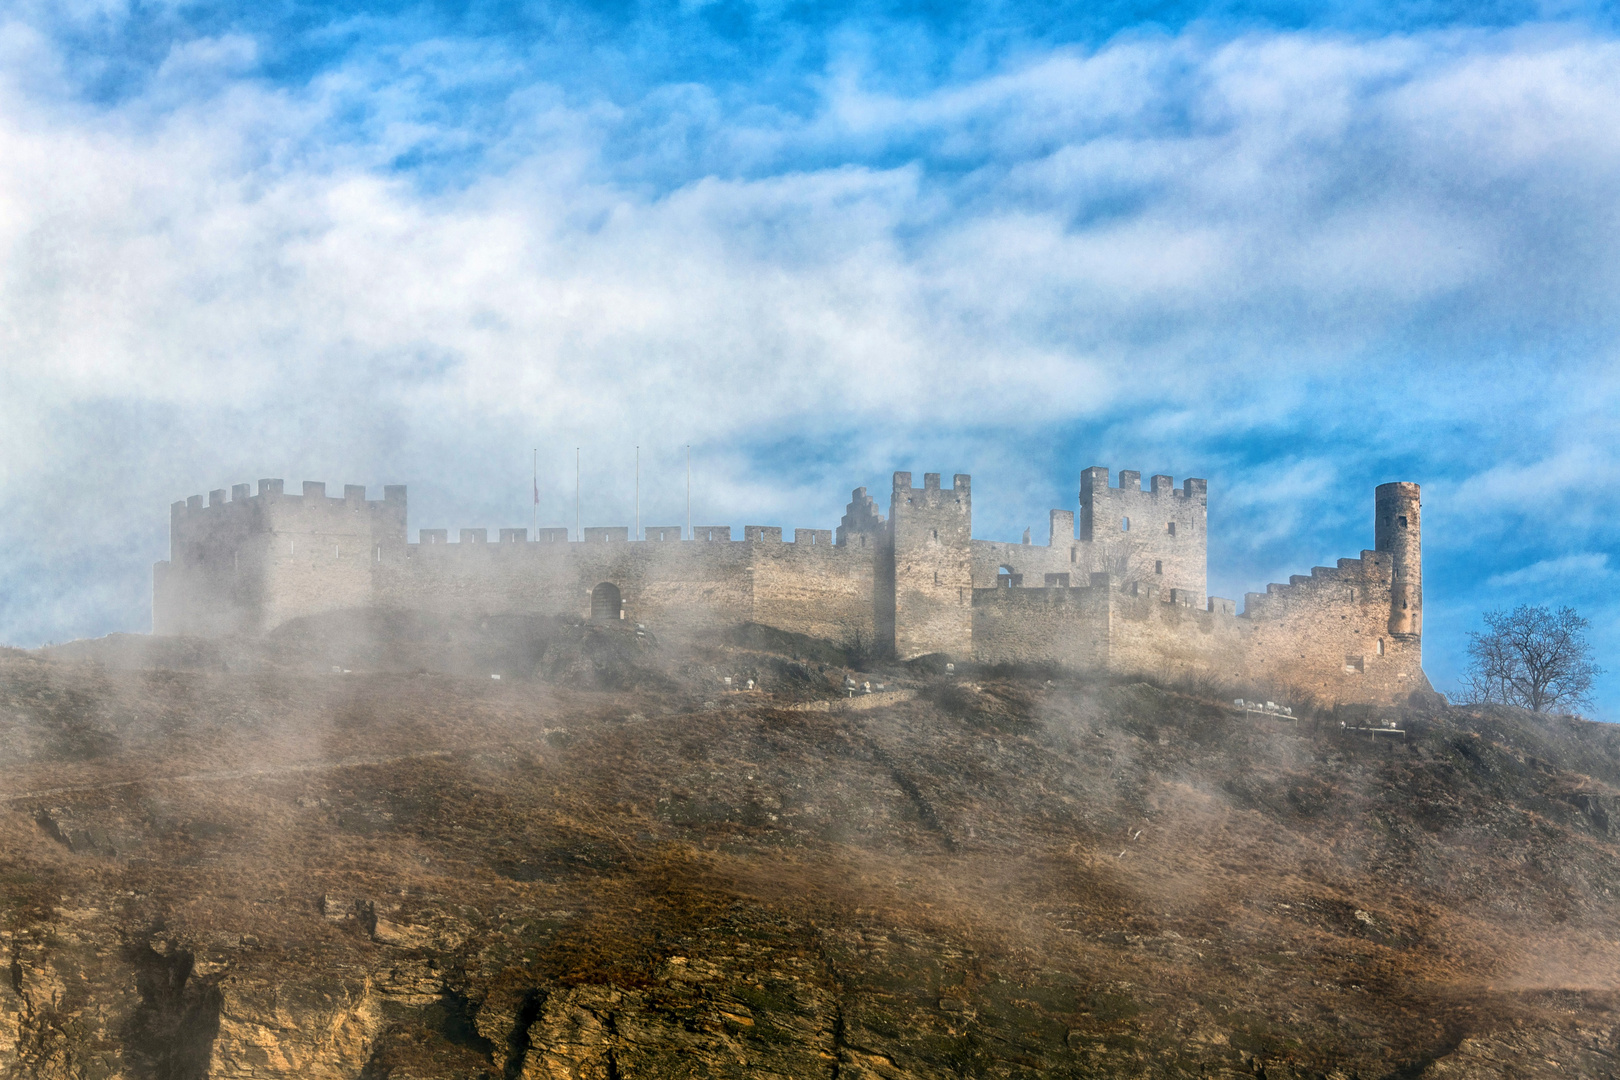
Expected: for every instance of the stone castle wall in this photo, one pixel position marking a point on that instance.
(255, 562)
(1328, 633)
(678, 587)
(1056, 625)
(1344, 633)
(1111, 626)
(1124, 592)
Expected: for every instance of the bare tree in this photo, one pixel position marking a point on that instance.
(1532, 657)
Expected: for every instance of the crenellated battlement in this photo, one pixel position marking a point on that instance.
(1094, 481)
(250, 529)
(931, 494)
(314, 494)
(1351, 580)
(809, 539)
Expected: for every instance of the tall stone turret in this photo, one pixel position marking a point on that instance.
(1397, 529)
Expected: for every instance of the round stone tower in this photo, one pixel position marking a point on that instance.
(1398, 530)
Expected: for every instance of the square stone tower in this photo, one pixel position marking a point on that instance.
(250, 563)
(932, 530)
(1154, 537)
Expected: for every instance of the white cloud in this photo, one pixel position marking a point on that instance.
(1163, 229)
(1587, 566)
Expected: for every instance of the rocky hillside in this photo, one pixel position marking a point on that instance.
(609, 864)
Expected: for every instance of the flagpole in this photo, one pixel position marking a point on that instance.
(579, 533)
(689, 535)
(638, 492)
(534, 513)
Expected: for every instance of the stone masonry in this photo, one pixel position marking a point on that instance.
(1120, 589)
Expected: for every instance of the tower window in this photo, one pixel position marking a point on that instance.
(1124, 524)
(1158, 566)
(936, 534)
(1380, 646)
(1170, 527)
(1403, 522)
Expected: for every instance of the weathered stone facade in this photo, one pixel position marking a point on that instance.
(1122, 593)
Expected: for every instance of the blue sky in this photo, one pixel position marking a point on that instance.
(1296, 249)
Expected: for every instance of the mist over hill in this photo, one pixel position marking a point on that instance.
(233, 861)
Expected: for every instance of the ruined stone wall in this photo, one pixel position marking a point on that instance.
(674, 587)
(812, 587)
(1345, 633)
(1170, 635)
(1067, 627)
(1156, 536)
(1126, 602)
(1327, 634)
(1058, 562)
(1123, 628)
(250, 564)
(1308, 638)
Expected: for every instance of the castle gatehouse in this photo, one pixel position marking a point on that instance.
(1121, 589)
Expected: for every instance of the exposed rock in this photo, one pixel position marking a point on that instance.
(316, 1027)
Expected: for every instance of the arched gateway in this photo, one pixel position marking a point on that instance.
(605, 603)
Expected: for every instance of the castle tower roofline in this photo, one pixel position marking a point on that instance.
(1160, 485)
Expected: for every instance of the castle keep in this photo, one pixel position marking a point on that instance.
(1123, 590)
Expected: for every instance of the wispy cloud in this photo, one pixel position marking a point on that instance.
(1299, 263)
(1586, 567)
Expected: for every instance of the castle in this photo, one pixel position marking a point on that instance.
(1124, 593)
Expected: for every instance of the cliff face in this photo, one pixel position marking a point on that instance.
(274, 872)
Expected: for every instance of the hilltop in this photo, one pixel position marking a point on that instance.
(344, 853)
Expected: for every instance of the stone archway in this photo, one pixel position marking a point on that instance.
(606, 603)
